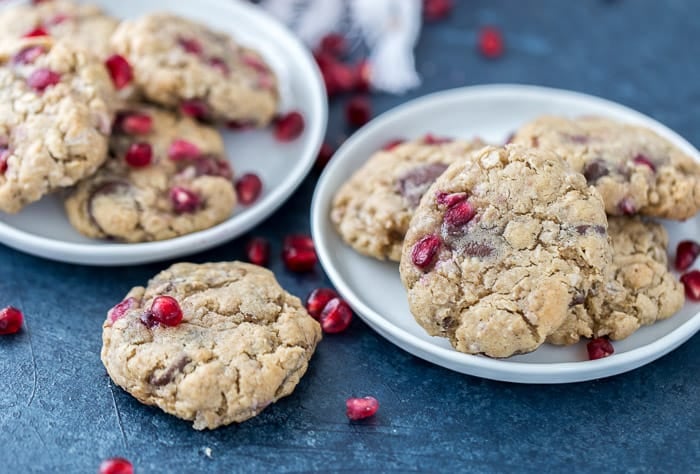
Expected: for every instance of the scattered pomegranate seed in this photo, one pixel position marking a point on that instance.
(318, 299)
(430, 139)
(361, 408)
(139, 154)
(490, 42)
(599, 348)
(334, 44)
(425, 250)
(289, 126)
(248, 188)
(336, 316)
(135, 123)
(190, 45)
(459, 214)
(43, 78)
(643, 160)
(324, 155)
(194, 108)
(116, 466)
(627, 207)
(120, 71)
(183, 150)
(686, 253)
(220, 65)
(165, 310)
(258, 251)
(28, 55)
(298, 253)
(450, 199)
(358, 111)
(184, 200)
(120, 309)
(434, 10)
(10, 320)
(691, 282)
(393, 144)
(36, 32)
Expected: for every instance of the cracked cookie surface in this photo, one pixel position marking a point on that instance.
(371, 211)
(176, 60)
(639, 292)
(634, 169)
(243, 343)
(55, 118)
(187, 186)
(499, 247)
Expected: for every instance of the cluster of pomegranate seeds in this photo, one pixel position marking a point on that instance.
(43, 78)
(10, 320)
(248, 188)
(36, 32)
(139, 154)
(643, 160)
(361, 408)
(298, 253)
(116, 466)
(490, 42)
(599, 348)
(289, 126)
(119, 70)
(686, 253)
(425, 251)
(134, 123)
(459, 212)
(183, 150)
(184, 200)
(28, 55)
(318, 299)
(194, 108)
(336, 316)
(120, 309)
(434, 10)
(324, 155)
(258, 251)
(164, 310)
(358, 111)
(691, 282)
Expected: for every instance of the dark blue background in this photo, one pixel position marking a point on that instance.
(60, 413)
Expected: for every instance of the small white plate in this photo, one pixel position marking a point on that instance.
(374, 289)
(42, 228)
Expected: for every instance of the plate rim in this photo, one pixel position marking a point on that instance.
(495, 369)
(119, 254)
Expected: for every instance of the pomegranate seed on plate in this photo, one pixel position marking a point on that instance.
(258, 251)
(139, 154)
(120, 71)
(358, 111)
(289, 126)
(425, 250)
(318, 299)
(361, 408)
(36, 32)
(248, 188)
(43, 78)
(686, 253)
(183, 150)
(194, 108)
(434, 10)
(490, 42)
(120, 309)
(184, 200)
(691, 282)
(599, 348)
(116, 466)
(298, 253)
(336, 316)
(10, 320)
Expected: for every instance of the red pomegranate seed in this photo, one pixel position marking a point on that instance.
(318, 299)
(190, 45)
(248, 188)
(627, 207)
(43, 78)
(393, 144)
(120, 309)
(324, 155)
(255, 62)
(120, 71)
(363, 76)
(135, 123)
(258, 251)
(116, 466)
(691, 282)
(450, 199)
(4, 156)
(599, 348)
(344, 77)
(238, 125)
(686, 253)
(289, 126)
(139, 154)
(425, 250)
(430, 139)
(490, 42)
(10, 320)
(184, 200)
(643, 160)
(459, 214)
(36, 32)
(165, 310)
(194, 108)
(336, 316)
(334, 44)
(298, 253)
(358, 111)
(220, 65)
(183, 150)
(434, 10)
(361, 408)
(28, 55)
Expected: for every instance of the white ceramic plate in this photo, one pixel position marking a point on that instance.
(42, 228)
(374, 289)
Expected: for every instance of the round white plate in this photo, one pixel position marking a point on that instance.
(43, 229)
(374, 289)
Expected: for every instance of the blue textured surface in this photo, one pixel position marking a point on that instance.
(59, 412)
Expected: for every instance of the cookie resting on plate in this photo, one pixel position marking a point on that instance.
(500, 246)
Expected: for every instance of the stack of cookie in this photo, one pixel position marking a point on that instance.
(121, 116)
(546, 239)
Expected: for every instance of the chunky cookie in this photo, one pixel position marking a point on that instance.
(640, 290)
(167, 176)
(371, 211)
(634, 169)
(55, 118)
(180, 62)
(242, 343)
(83, 25)
(500, 246)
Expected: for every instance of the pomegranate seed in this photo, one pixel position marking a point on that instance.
(28, 55)
(139, 154)
(298, 253)
(393, 144)
(318, 299)
(164, 310)
(10, 320)
(691, 282)
(343, 77)
(120, 309)
(459, 214)
(363, 76)
(324, 155)
(36, 32)
(434, 10)
(4, 156)
(213, 166)
(599, 348)
(184, 200)
(120, 71)
(288, 127)
(425, 250)
(627, 207)
(238, 125)
(183, 150)
(490, 42)
(361, 408)
(220, 65)
(248, 188)
(43, 78)
(190, 45)
(334, 44)
(135, 123)
(255, 62)
(450, 199)
(643, 160)
(686, 253)
(336, 316)
(430, 139)
(194, 108)
(116, 466)
(358, 111)
(258, 251)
